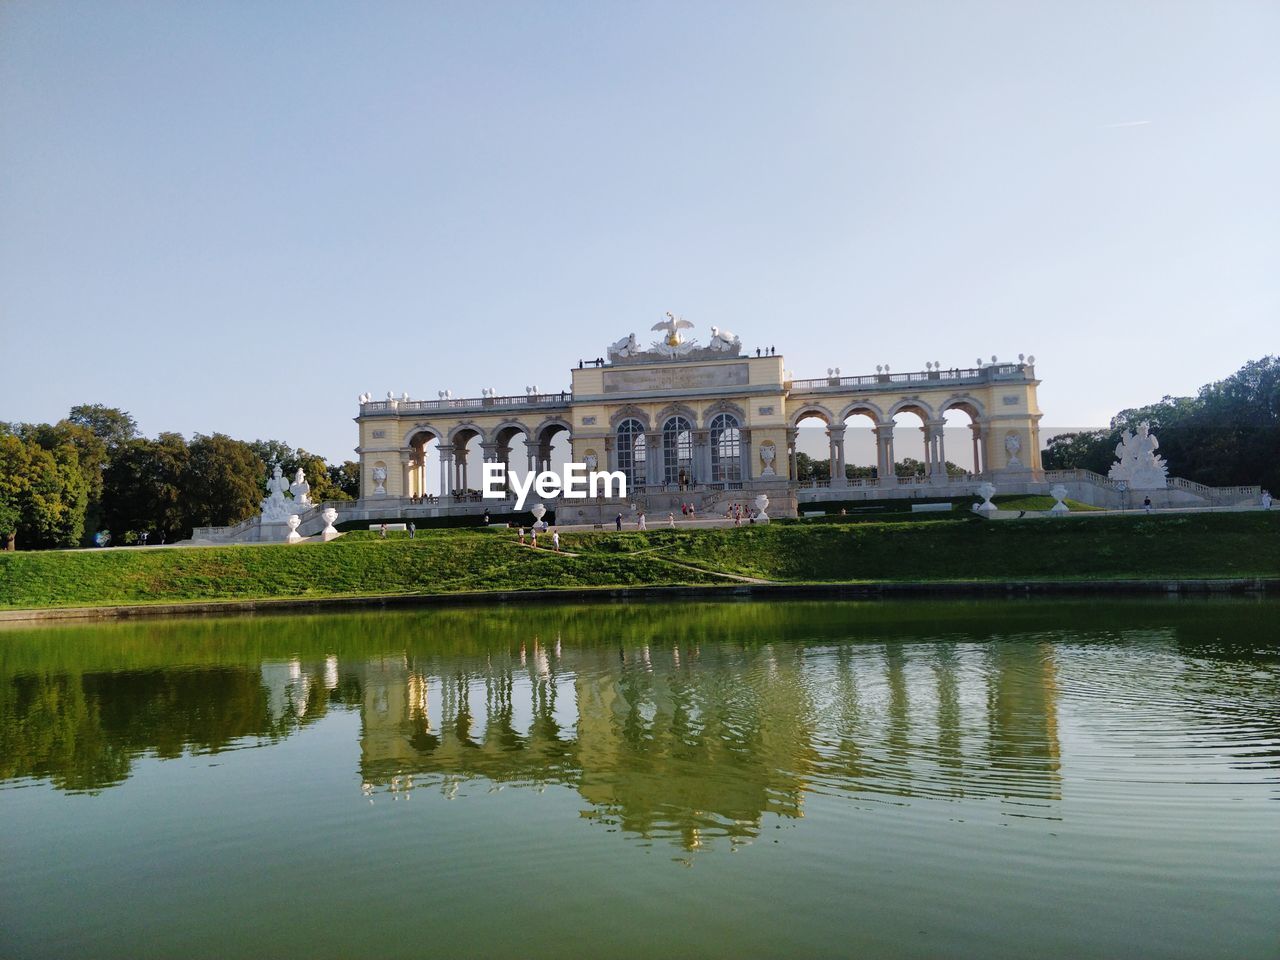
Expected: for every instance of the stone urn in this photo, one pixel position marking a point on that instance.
(329, 531)
(538, 511)
(986, 491)
(1059, 493)
(293, 521)
(762, 506)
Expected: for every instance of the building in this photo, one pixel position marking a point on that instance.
(691, 423)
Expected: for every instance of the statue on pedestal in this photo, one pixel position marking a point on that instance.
(276, 508)
(301, 490)
(1138, 465)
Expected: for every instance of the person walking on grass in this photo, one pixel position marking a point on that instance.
(383, 531)
(412, 529)
(617, 522)
(555, 539)
(641, 524)
(533, 536)
(522, 536)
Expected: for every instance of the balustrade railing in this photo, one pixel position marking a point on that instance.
(995, 371)
(468, 403)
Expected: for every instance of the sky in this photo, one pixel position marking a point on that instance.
(238, 216)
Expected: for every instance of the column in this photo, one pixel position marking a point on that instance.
(791, 455)
(610, 456)
(406, 472)
(748, 457)
(654, 467)
(884, 455)
(531, 452)
(701, 457)
(940, 433)
(446, 472)
(835, 443)
(977, 447)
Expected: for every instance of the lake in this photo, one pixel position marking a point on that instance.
(740, 779)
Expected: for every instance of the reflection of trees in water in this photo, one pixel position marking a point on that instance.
(83, 732)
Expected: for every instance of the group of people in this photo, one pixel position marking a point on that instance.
(533, 535)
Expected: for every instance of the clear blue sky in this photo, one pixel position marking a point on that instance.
(210, 212)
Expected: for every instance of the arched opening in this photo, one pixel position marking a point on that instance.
(630, 455)
(726, 449)
(553, 445)
(424, 454)
(463, 467)
(677, 452)
(963, 436)
(511, 448)
(860, 446)
(910, 456)
(811, 449)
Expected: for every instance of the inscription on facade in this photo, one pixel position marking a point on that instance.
(676, 378)
(379, 434)
(1010, 399)
(766, 411)
(588, 421)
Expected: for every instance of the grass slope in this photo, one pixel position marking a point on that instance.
(1177, 545)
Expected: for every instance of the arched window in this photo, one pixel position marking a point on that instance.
(631, 452)
(677, 451)
(726, 449)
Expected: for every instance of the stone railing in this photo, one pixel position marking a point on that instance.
(468, 403)
(893, 381)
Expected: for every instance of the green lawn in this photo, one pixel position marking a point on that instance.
(445, 561)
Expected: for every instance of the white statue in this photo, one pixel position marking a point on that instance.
(301, 490)
(329, 531)
(1138, 465)
(723, 341)
(1059, 493)
(591, 461)
(762, 507)
(294, 536)
(275, 508)
(379, 481)
(626, 347)
(986, 491)
(768, 452)
(1013, 444)
(672, 325)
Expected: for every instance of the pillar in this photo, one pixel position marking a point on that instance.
(446, 472)
(747, 455)
(884, 455)
(654, 464)
(701, 457)
(979, 454)
(406, 472)
(791, 456)
(835, 443)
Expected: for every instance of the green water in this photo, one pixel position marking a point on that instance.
(986, 780)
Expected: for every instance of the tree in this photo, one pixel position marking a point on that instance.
(45, 488)
(223, 482)
(345, 479)
(114, 427)
(142, 488)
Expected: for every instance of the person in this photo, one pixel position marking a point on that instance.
(757, 351)
(1146, 504)
(640, 524)
(145, 534)
(671, 520)
(844, 512)
(412, 529)
(617, 522)
(555, 539)
(384, 531)
(486, 516)
(1266, 499)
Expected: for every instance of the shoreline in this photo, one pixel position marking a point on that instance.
(871, 590)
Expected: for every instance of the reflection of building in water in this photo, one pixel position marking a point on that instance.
(692, 743)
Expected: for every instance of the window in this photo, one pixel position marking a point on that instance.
(677, 451)
(726, 449)
(631, 452)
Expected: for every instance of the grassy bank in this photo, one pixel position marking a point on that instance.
(1172, 546)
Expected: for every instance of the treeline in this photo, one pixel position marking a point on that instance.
(1228, 434)
(64, 484)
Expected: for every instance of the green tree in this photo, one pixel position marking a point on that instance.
(142, 488)
(114, 427)
(223, 481)
(345, 478)
(45, 487)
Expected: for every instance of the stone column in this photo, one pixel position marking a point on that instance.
(835, 442)
(979, 464)
(610, 455)
(747, 454)
(701, 457)
(884, 455)
(406, 472)
(446, 472)
(792, 434)
(655, 468)
(531, 452)
(940, 432)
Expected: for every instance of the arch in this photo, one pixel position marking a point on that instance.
(910, 405)
(723, 406)
(970, 405)
(550, 427)
(811, 410)
(676, 410)
(466, 426)
(629, 412)
(507, 429)
(863, 408)
(411, 434)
